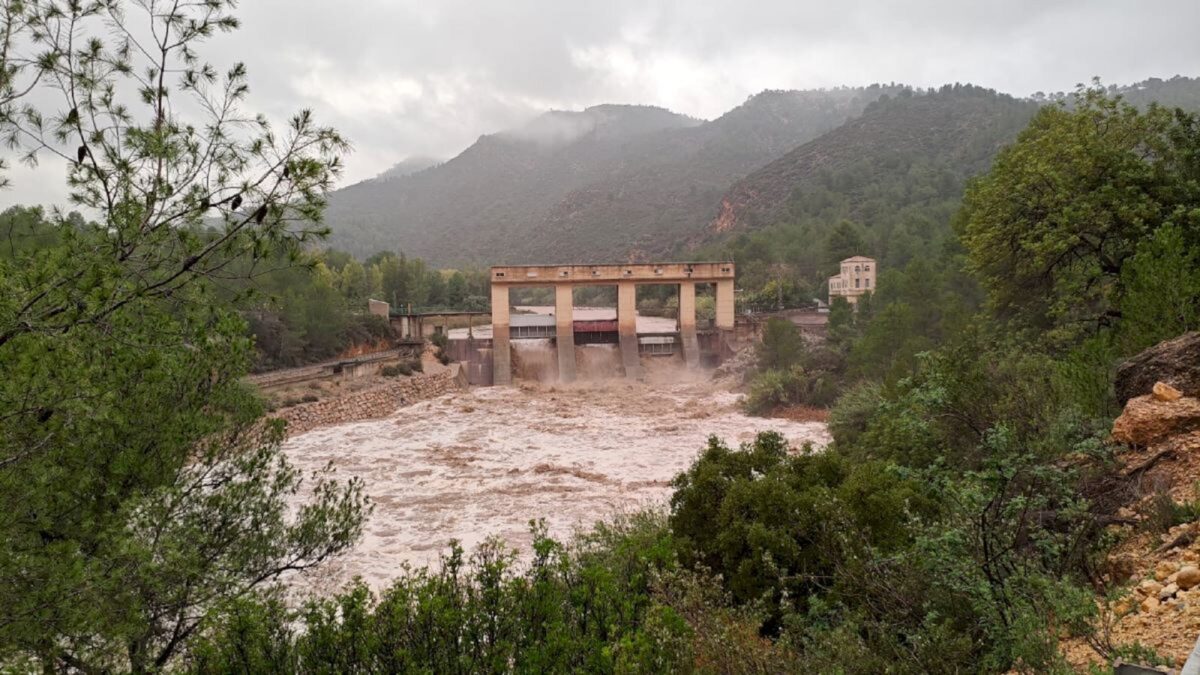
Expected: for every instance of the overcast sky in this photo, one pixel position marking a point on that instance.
(427, 77)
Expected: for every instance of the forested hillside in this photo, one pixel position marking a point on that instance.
(616, 183)
(885, 184)
(490, 193)
(603, 184)
(407, 167)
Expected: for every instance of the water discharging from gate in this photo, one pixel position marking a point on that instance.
(534, 360)
(537, 361)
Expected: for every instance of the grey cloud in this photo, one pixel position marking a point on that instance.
(426, 77)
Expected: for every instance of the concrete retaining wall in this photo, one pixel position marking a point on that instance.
(372, 403)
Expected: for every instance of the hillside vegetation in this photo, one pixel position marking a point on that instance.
(885, 184)
(605, 184)
(960, 520)
(619, 182)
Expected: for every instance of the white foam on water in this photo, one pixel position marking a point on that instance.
(484, 462)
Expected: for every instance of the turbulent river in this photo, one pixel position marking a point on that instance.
(484, 462)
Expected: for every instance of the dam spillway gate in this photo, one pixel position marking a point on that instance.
(566, 332)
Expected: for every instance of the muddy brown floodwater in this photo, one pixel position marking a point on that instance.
(484, 462)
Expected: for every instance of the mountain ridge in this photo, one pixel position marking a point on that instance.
(522, 195)
(620, 182)
(935, 123)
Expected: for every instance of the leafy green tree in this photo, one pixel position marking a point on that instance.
(844, 241)
(435, 285)
(456, 289)
(1052, 226)
(842, 325)
(781, 346)
(139, 488)
(352, 282)
(25, 230)
(915, 309)
(1162, 290)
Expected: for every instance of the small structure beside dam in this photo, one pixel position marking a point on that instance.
(566, 332)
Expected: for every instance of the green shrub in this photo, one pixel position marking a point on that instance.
(396, 370)
(781, 347)
(854, 410)
(441, 341)
(795, 386)
(294, 401)
(1161, 512)
(773, 524)
(587, 607)
(405, 368)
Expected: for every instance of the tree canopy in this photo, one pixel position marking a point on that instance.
(1050, 229)
(140, 487)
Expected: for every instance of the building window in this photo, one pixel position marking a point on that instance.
(868, 283)
(866, 268)
(856, 282)
(856, 269)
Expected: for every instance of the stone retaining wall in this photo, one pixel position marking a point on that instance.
(372, 403)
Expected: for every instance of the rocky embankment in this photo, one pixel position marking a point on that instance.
(1161, 432)
(1158, 562)
(373, 403)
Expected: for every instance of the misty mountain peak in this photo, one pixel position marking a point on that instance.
(605, 122)
(408, 166)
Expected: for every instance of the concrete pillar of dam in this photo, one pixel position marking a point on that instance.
(687, 324)
(627, 328)
(724, 321)
(501, 357)
(725, 304)
(564, 323)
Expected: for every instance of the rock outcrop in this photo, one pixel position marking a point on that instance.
(1155, 574)
(1175, 362)
(1149, 419)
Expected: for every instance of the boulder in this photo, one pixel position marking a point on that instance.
(1188, 577)
(1150, 588)
(1165, 392)
(1163, 570)
(1175, 362)
(1146, 420)
(1149, 604)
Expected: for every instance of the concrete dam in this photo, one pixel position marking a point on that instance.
(567, 332)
